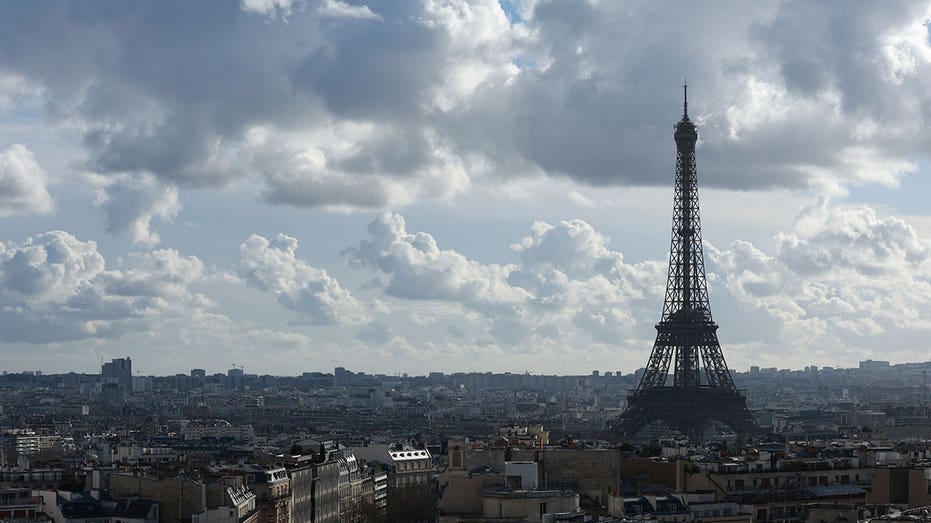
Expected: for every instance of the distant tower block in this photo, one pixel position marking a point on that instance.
(686, 335)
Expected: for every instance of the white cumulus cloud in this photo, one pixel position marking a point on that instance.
(56, 288)
(272, 266)
(839, 277)
(568, 278)
(23, 183)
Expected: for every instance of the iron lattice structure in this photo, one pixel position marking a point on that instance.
(702, 389)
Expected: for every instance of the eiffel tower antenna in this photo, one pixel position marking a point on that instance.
(702, 389)
(685, 99)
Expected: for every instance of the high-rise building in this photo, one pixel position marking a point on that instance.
(118, 371)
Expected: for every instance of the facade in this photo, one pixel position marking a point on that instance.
(355, 488)
(220, 430)
(272, 489)
(180, 498)
(902, 485)
(228, 501)
(678, 508)
(17, 443)
(379, 489)
(778, 490)
(314, 490)
(591, 472)
(527, 505)
(407, 466)
(32, 478)
(17, 504)
(142, 455)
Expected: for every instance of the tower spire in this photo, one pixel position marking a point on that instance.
(685, 99)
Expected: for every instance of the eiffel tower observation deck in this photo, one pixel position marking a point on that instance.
(700, 389)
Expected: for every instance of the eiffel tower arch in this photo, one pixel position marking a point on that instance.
(701, 389)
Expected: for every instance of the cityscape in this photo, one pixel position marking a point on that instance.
(310, 242)
(352, 446)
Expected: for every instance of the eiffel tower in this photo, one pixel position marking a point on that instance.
(686, 334)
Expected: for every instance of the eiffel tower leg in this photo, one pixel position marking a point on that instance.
(631, 421)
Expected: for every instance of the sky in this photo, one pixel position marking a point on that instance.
(427, 185)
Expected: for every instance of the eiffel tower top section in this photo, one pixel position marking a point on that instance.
(686, 291)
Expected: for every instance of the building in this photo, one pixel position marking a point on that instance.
(902, 485)
(118, 371)
(874, 365)
(228, 500)
(19, 504)
(314, 489)
(590, 472)
(180, 498)
(140, 455)
(18, 442)
(407, 466)
(272, 489)
(531, 506)
(85, 507)
(513, 496)
(220, 430)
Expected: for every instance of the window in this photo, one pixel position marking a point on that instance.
(542, 509)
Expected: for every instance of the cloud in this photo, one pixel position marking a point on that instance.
(23, 184)
(336, 8)
(353, 167)
(190, 119)
(131, 203)
(333, 105)
(162, 273)
(56, 288)
(567, 277)
(50, 267)
(272, 266)
(270, 8)
(418, 269)
(840, 276)
(376, 332)
(15, 90)
(840, 281)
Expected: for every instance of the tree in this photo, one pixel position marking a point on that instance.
(362, 512)
(414, 504)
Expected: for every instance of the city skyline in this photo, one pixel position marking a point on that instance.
(462, 186)
(225, 371)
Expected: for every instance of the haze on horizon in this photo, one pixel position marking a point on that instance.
(418, 186)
